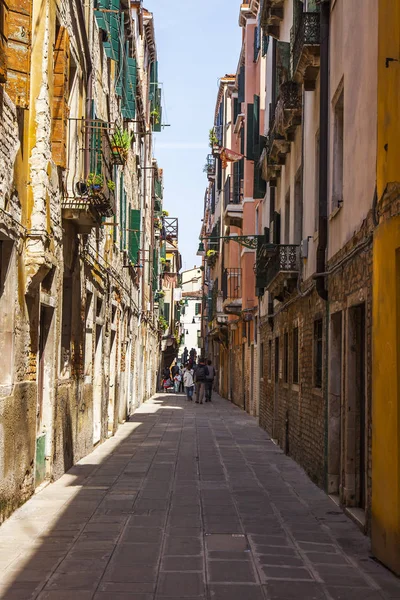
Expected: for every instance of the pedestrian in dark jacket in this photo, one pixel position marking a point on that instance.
(200, 377)
(210, 380)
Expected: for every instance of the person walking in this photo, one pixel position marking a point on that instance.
(188, 382)
(181, 384)
(210, 380)
(200, 377)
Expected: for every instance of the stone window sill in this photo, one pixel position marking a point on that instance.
(295, 387)
(317, 392)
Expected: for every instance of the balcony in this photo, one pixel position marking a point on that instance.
(170, 229)
(210, 167)
(306, 50)
(288, 110)
(87, 201)
(277, 148)
(279, 269)
(233, 208)
(272, 13)
(232, 291)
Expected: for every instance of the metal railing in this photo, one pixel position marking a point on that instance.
(170, 228)
(307, 34)
(210, 166)
(232, 284)
(285, 259)
(227, 191)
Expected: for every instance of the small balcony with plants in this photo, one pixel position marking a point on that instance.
(121, 143)
(277, 269)
(92, 198)
(306, 38)
(210, 167)
(232, 290)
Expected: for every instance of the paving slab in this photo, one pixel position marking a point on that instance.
(196, 503)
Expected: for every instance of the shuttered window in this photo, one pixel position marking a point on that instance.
(18, 51)
(250, 132)
(155, 270)
(59, 126)
(3, 40)
(122, 214)
(129, 92)
(134, 235)
(108, 19)
(241, 84)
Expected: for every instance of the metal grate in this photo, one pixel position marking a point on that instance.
(307, 34)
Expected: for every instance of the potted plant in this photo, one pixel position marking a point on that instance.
(163, 260)
(95, 182)
(155, 116)
(157, 223)
(163, 324)
(161, 293)
(121, 142)
(111, 185)
(165, 213)
(213, 140)
(211, 257)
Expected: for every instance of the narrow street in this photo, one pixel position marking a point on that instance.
(187, 501)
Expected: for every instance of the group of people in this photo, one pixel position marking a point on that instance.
(195, 378)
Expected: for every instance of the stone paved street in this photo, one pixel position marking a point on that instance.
(187, 501)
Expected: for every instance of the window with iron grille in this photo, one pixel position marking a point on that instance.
(197, 308)
(318, 353)
(295, 355)
(286, 357)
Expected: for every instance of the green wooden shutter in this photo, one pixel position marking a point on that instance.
(250, 132)
(120, 71)
(134, 235)
(122, 215)
(96, 147)
(241, 84)
(157, 125)
(163, 251)
(110, 22)
(129, 92)
(155, 270)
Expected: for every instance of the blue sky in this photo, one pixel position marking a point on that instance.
(197, 42)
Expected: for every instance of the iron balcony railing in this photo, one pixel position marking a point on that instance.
(210, 166)
(227, 192)
(285, 259)
(307, 34)
(232, 284)
(170, 228)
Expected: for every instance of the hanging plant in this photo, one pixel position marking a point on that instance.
(111, 185)
(211, 257)
(155, 116)
(95, 182)
(163, 324)
(121, 142)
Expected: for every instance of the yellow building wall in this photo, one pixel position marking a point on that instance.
(385, 527)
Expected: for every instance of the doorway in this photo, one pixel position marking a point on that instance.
(276, 390)
(44, 414)
(356, 433)
(335, 405)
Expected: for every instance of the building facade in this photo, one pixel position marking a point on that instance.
(290, 319)
(191, 313)
(80, 208)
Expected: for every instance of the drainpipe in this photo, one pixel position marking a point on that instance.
(323, 163)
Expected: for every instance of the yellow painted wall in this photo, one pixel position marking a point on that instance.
(385, 527)
(388, 95)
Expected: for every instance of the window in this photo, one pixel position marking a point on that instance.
(295, 355)
(270, 359)
(338, 153)
(318, 353)
(197, 308)
(286, 357)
